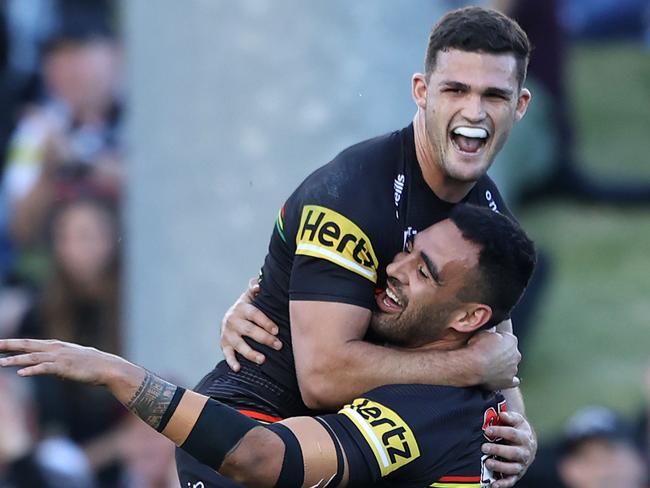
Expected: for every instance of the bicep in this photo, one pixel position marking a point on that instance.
(323, 460)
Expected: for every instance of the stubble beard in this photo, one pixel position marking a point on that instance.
(411, 328)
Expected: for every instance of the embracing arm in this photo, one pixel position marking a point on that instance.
(222, 438)
(334, 364)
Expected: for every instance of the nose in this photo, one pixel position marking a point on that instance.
(473, 110)
(400, 266)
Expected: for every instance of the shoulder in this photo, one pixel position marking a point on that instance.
(422, 407)
(354, 170)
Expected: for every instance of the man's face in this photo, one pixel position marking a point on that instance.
(603, 463)
(470, 101)
(422, 286)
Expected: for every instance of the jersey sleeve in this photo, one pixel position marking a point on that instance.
(334, 256)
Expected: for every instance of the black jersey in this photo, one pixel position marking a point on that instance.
(417, 436)
(337, 232)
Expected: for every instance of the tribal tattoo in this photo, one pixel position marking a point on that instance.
(151, 400)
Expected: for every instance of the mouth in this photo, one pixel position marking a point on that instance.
(389, 301)
(469, 140)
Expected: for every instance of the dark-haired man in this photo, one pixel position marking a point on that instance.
(399, 435)
(324, 272)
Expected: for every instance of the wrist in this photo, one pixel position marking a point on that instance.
(473, 371)
(123, 378)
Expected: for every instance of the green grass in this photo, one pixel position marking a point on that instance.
(592, 336)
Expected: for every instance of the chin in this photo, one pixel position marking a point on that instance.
(461, 172)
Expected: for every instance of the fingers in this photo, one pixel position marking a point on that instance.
(505, 468)
(513, 382)
(39, 369)
(505, 327)
(231, 359)
(248, 352)
(505, 482)
(26, 359)
(31, 364)
(261, 320)
(513, 419)
(512, 459)
(25, 345)
(516, 453)
(232, 341)
(510, 435)
(258, 334)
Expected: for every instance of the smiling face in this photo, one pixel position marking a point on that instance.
(420, 303)
(469, 103)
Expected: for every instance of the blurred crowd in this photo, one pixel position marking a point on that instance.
(62, 175)
(63, 168)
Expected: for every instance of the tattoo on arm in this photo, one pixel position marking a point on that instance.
(151, 400)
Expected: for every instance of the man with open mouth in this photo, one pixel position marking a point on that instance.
(458, 276)
(337, 232)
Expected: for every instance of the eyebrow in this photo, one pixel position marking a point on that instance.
(502, 92)
(492, 90)
(431, 266)
(456, 85)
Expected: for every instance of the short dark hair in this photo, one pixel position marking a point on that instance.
(476, 29)
(506, 260)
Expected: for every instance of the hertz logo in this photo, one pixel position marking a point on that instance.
(390, 438)
(327, 234)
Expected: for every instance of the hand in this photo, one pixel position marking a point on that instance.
(62, 359)
(499, 358)
(244, 319)
(517, 452)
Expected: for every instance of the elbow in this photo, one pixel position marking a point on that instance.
(248, 471)
(256, 461)
(320, 390)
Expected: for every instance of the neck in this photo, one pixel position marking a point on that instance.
(451, 341)
(445, 188)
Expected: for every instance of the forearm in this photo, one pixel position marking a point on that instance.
(359, 366)
(515, 400)
(213, 433)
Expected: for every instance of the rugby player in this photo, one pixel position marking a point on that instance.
(458, 276)
(337, 232)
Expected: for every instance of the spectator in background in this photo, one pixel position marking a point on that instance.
(24, 460)
(81, 301)
(148, 457)
(73, 135)
(541, 159)
(597, 452)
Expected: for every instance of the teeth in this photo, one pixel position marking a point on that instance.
(472, 132)
(393, 297)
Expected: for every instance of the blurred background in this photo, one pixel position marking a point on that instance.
(146, 149)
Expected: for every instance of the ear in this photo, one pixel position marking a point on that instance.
(522, 103)
(419, 90)
(471, 317)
